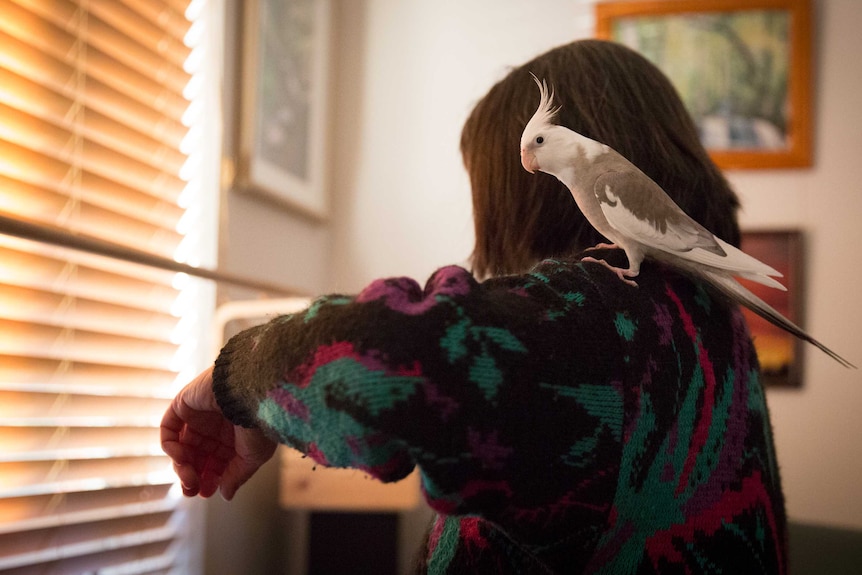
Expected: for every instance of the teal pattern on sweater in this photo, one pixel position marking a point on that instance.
(562, 421)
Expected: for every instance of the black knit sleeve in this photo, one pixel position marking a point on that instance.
(506, 393)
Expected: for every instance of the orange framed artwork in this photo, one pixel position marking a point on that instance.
(742, 67)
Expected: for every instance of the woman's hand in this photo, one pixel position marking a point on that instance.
(209, 452)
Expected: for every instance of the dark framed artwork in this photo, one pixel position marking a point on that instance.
(284, 95)
(742, 67)
(779, 353)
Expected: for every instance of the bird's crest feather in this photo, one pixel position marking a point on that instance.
(546, 112)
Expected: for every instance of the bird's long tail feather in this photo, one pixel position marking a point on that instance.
(765, 280)
(736, 262)
(738, 293)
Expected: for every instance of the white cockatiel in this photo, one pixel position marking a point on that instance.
(632, 211)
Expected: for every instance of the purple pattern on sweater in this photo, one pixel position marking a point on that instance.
(406, 296)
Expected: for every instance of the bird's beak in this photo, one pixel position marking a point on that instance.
(528, 160)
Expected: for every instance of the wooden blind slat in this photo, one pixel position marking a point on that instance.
(22, 409)
(178, 6)
(67, 146)
(45, 375)
(36, 15)
(31, 339)
(55, 78)
(78, 277)
(24, 165)
(84, 43)
(51, 208)
(62, 71)
(153, 558)
(92, 105)
(160, 28)
(82, 539)
(49, 443)
(116, 268)
(27, 513)
(165, 15)
(71, 312)
(65, 241)
(39, 478)
(101, 35)
(22, 95)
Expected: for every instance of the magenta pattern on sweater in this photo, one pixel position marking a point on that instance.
(562, 421)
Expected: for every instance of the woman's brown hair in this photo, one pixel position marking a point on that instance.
(611, 94)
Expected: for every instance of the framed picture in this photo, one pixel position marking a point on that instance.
(779, 353)
(742, 67)
(284, 99)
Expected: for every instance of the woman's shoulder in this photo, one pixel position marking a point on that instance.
(655, 279)
(667, 306)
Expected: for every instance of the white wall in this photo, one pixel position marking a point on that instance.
(818, 429)
(408, 74)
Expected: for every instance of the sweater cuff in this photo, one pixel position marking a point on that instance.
(227, 392)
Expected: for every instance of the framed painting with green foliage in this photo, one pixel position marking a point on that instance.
(285, 73)
(742, 67)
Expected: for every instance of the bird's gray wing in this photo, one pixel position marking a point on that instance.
(639, 209)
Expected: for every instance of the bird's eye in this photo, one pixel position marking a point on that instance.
(540, 139)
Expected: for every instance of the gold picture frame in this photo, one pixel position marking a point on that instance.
(742, 67)
(284, 101)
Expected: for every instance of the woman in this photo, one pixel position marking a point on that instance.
(561, 423)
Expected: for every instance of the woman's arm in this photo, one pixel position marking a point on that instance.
(501, 392)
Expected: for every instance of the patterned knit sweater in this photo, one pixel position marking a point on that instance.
(562, 421)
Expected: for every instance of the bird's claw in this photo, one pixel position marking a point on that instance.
(603, 246)
(623, 274)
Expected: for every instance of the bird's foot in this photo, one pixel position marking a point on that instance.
(623, 274)
(603, 246)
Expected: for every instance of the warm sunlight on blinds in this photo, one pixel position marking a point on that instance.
(97, 98)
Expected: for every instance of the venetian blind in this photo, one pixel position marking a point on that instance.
(96, 105)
